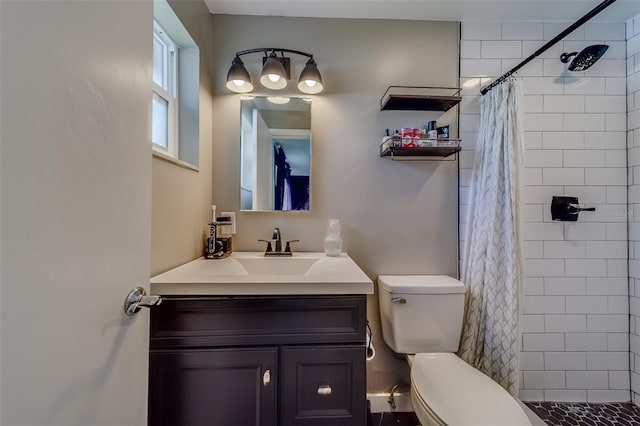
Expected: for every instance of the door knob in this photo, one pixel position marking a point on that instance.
(137, 298)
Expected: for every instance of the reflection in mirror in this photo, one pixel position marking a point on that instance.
(275, 154)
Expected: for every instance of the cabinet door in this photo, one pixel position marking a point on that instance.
(323, 386)
(223, 387)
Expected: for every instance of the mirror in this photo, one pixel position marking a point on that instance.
(275, 154)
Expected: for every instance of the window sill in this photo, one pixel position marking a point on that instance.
(175, 161)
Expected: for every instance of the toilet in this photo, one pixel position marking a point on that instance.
(421, 316)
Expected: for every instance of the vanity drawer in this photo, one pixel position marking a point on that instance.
(323, 386)
(236, 321)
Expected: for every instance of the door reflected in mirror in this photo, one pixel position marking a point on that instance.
(275, 154)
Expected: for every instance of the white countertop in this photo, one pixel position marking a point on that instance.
(250, 273)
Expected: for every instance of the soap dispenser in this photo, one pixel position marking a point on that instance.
(333, 240)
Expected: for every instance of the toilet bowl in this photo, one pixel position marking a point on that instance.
(447, 390)
(422, 315)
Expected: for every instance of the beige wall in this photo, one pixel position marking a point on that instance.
(397, 217)
(181, 196)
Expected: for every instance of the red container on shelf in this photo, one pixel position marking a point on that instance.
(407, 137)
(406, 132)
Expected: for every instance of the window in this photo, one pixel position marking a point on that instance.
(164, 117)
(175, 131)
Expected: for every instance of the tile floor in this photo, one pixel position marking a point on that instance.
(583, 414)
(393, 419)
(553, 414)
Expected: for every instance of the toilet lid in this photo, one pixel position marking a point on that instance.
(461, 395)
(420, 284)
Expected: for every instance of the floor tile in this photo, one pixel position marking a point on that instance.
(584, 414)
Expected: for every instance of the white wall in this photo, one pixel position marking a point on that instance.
(575, 325)
(633, 144)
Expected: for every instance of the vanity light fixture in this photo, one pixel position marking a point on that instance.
(310, 81)
(274, 75)
(238, 78)
(275, 72)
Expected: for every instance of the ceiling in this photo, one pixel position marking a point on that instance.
(434, 10)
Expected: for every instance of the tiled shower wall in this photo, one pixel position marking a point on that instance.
(633, 141)
(575, 344)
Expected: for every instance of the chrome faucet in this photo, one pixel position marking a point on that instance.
(277, 237)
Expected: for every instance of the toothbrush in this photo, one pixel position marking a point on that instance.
(212, 230)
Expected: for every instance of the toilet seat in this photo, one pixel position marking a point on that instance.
(447, 390)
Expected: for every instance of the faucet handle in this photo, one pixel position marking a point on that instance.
(287, 248)
(268, 249)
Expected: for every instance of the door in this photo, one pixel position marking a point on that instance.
(213, 387)
(75, 177)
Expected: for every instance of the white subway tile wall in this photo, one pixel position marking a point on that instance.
(575, 344)
(633, 143)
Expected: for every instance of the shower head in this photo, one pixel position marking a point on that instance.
(586, 58)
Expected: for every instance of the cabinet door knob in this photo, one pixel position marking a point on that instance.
(400, 300)
(266, 377)
(324, 390)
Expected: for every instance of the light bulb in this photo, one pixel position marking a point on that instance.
(310, 83)
(274, 77)
(239, 83)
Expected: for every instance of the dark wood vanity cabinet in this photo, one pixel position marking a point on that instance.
(243, 361)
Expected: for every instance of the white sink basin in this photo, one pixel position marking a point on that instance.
(246, 273)
(277, 265)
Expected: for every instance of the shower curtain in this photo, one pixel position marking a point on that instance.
(492, 263)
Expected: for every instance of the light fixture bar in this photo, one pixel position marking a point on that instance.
(273, 49)
(275, 71)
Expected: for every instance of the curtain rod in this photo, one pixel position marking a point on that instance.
(556, 39)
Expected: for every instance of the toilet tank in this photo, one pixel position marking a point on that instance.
(421, 313)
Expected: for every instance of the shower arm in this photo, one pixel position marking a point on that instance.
(593, 12)
(566, 57)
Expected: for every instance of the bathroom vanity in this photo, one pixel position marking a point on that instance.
(250, 340)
